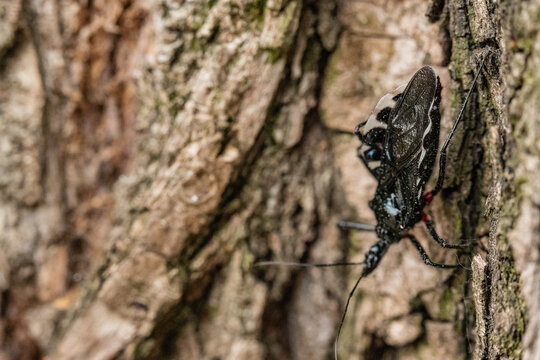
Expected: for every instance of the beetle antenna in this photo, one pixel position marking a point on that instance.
(338, 131)
(285, 263)
(345, 314)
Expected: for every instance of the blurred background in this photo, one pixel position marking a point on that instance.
(151, 152)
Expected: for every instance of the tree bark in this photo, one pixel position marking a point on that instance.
(153, 152)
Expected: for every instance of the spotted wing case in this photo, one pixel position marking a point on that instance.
(414, 120)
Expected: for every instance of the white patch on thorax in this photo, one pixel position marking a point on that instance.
(390, 207)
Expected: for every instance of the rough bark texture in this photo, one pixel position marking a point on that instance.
(152, 151)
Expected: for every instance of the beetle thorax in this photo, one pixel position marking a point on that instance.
(392, 216)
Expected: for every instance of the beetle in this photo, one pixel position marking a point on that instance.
(398, 145)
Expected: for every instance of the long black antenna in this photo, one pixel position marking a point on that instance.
(284, 263)
(336, 341)
(345, 314)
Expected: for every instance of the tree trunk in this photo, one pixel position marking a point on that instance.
(153, 152)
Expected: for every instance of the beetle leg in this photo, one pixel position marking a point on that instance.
(425, 256)
(355, 226)
(431, 228)
(442, 157)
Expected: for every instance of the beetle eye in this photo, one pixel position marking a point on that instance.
(372, 154)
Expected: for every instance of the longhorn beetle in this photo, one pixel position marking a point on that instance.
(399, 143)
